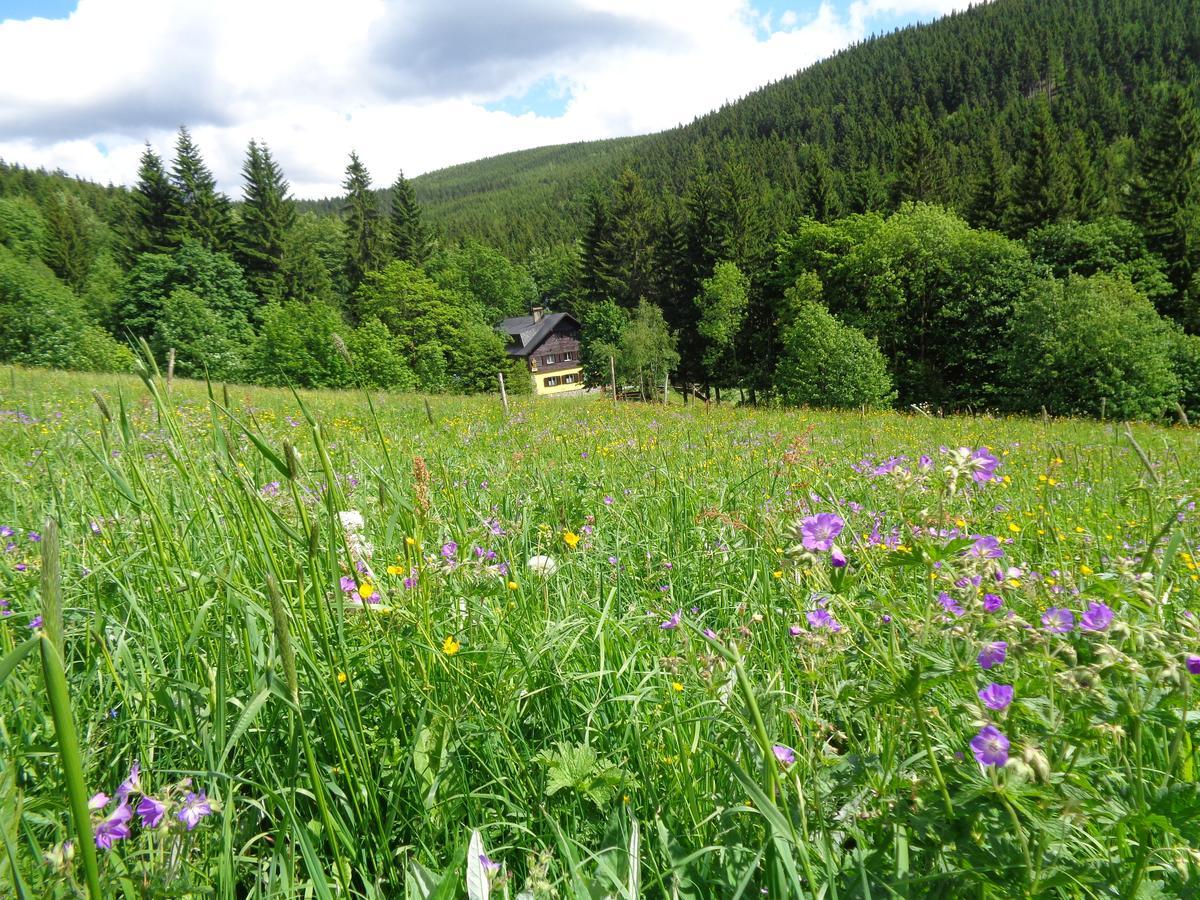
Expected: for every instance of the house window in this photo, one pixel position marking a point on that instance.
(568, 379)
(551, 381)
(566, 356)
(548, 359)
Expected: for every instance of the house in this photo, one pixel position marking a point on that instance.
(549, 343)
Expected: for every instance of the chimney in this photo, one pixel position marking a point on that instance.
(538, 311)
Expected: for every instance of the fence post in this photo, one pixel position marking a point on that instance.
(503, 393)
(612, 371)
(170, 368)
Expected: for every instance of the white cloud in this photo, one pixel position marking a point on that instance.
(401, 81)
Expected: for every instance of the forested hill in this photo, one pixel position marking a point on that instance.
(937, 112)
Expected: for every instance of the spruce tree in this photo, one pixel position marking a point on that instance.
(629, 248)
(820, 187)
(922, 172)
(1164, 198)
(360, 210)
(1042, 187)
(148, 226)
(408, 238)
(594, 259)
(1088, 196)
(198, 211)
(268, 215)
(989, 192)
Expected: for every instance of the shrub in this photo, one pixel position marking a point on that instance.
(1185, 361)
(295, 346)
(1077, 342)
(207, 343)
(824, 362)
(378, 360)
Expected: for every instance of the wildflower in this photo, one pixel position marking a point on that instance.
(608, 501)
(818, 532)
(982, 465)
(996, 696)
(270, 489)
(36, 622)
(449, 550)
(348, 584)
(395, 570)
(366, 590)
(113, 828)
(450, 646)
(822, 619)
(950, 604)
(5, 531)
(542, 565)
(195, 807)
(837, 557)
(672, 622)
(786, 755)
(1058, 620)
(985, 547)
(132, 783)
(488, 865)
(1193, 664)
(571, 539)
(990, 746)
(677, 687)
(341, 677)
(98, 801)
(410, 541)
(712, 635)
(151, 811)
(992, 602)
(512, 585)
(352, 520)
(993, 654)
(1097, 617)
(34, 537)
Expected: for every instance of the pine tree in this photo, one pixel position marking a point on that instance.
(820, 187)
(198, 211)
(1042, 186)
(268, 215)
(408, 237)
(922, 172)
(1164, 198)
(360, 211)
(1088, 197)
(629, 249)
(989, 193)
(148, 225)
(71, 240)
(594, 260)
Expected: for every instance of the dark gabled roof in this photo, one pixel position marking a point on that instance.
(525, 334)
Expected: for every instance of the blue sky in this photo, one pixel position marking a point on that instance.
(408, 84)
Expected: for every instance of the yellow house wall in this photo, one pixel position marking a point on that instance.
(539, 382)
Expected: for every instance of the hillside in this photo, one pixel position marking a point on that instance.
(927, 97)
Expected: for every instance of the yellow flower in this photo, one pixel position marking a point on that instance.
(450, 646)
(1013, 526)
(411, 541)
(778, 573)
(571, 539)
(1086, 570)
(366, 590)
(676, 686)
(512, 585)
(395, 570)
(341, 677)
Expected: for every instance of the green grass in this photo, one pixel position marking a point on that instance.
(352, 752)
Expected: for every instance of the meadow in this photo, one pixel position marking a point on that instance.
(259, 644)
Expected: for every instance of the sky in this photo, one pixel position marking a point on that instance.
(411, 85)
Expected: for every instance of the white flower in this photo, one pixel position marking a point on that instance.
(352, 520)
(542, 565)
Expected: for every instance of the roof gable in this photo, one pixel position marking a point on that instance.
(525, 334)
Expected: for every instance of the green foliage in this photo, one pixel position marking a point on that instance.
(147, 226)
(295, 346)
(1185, 363)
(408, 238)
(208, 342)
(646, 351)
(311, 265)
(22, 227)
(580, 770)
(1077, 343)
(71, 240)
(602, 327)
(824, 363)
(377, 357)
(489, 285)
(213, 277)
(722, 303)
(1042, 186)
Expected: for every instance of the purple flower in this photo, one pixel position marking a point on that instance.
(786, 755)
(672, 622)
(1058, 620)
(823, 619)
(35, 537)
(795, 630)
(5, 531)
(36, 622)
(151, 811)
(990, 746)
(349, 585)
(925, 463)
(98, 801)
(450, 550)
(950, 604)
(113, 828)
(1097, 617)
(132, 783)
(818, 532)
(982, 465)
(270, 489)
(488, 865)
(992, 602)
(996, 696)
(993, 654)
(985, 547)
(837, 557)
(195, 807)
(712, 635)
(1193, 664)
(608, 501)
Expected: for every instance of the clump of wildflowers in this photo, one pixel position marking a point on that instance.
(161, 811)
